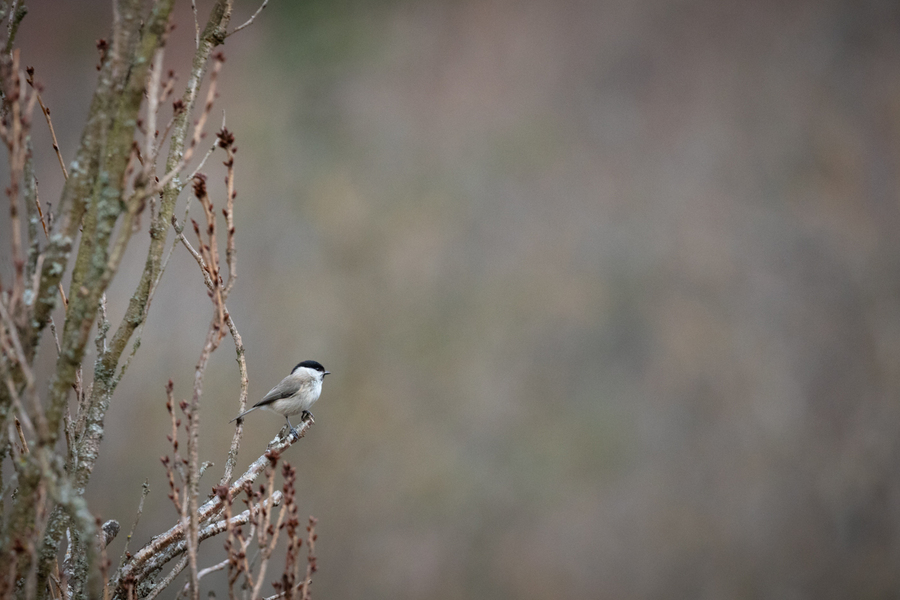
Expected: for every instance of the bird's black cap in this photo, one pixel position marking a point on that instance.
(310, 364)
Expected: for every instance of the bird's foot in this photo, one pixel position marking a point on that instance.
(295, 433)
(307, 416)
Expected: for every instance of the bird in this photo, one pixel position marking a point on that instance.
(295, 394)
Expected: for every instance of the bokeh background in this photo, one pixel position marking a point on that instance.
(610, 290)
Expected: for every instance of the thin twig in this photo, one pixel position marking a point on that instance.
(311, 561)
(251, 19)
(11, 387)
(138, 196)
(145, 490)
(195, 139)
(21, 360)
(212, 569)
(268, 536)
(192, 519)
(203, 162)
(204, 572)
(207, 155)
(196, 23)
(242, 401)
(165, 581)
(203, 267)
(21, 436)
(226, 140)
(13, 135)
(46, 111)
(62, 292)
(151, 150)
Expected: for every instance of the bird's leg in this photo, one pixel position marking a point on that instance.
(307, 416)
(291, 427)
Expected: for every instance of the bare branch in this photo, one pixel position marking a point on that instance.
(17, 13)
(251, 19)
(311, 564)
(62, 292)
(168, 579)
(150, 146)
(11, 334)
(268, 535)
(145, 559)
(14, 134)
(242, 402)
(145, 490)
(46, 111)
(173, 170)
(196, 24)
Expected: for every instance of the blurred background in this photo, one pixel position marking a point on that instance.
(610, 291)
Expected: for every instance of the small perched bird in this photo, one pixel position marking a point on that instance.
(295, 394)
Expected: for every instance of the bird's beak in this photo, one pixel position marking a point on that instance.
(326, 373)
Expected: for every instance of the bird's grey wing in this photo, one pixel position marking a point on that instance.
(285, 389)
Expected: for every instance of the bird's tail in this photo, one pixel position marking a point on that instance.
(242, 414)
